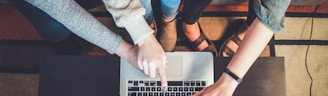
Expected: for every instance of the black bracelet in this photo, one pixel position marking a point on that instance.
(227, 71)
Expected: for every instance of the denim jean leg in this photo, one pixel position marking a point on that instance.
(149, 16)
(271, 13)
(170, 8)
(49, 28)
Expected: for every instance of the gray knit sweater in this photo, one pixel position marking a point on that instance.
(126, 13)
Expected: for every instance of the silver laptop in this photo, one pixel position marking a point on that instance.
(188, 72)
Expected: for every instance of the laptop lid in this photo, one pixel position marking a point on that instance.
(79, 76)
(182, 66)
(99, 76)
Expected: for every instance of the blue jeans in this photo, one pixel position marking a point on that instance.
(49, 28)
(169, 9)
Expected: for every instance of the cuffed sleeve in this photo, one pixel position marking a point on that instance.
(271, 13)
(128, 14)
(137, 30)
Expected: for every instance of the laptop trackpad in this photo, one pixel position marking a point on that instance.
(175, 66)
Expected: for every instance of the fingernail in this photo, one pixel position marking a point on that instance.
(164, 88)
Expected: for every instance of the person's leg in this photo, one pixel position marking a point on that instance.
(190, 14)
(80, 22)
(167, 33)
(231, 45)
(193, 9)
(149, 16)
(49, 28)
(169, 9)
(269, 12)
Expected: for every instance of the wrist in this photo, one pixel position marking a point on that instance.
(233, 75)
(124, 48)
(228, 80)
(146, 40)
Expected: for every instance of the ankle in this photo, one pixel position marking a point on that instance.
(241, 35)
(152, 25)
(167, 20)
(191, 31)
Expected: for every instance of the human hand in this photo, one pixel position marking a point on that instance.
(128, 52)
(225, 86)
(152, 59)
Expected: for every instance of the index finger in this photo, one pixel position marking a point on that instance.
(162, 76)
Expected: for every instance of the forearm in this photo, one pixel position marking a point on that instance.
(272, 13)
(255, 40)
(80, 22)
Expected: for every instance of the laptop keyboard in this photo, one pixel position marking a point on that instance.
(153, 88)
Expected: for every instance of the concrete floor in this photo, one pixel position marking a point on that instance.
(305, 62)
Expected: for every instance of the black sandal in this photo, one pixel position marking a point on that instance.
(211, 46)
(241, 26)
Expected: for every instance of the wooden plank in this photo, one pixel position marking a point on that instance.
(323, 8)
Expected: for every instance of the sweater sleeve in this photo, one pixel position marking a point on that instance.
(80, 22)
(129, 15)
